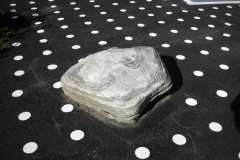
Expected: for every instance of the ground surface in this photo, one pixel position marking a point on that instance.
(199, 119)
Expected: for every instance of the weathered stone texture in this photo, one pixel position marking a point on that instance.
(118, 83)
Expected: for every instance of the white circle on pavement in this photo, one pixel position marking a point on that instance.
(76, 47)
(187, 41)
(77, 135)
(222, 93)
(226, 35)
(225, 48)
(208, 38)
(95, 32)
(18, 58)
(24, 116)
(118, 28)
(198, 73)
(52, 66)
(223, 66)
(15, 44)
(204, 52)
(179, 139)
(211, 26)
(141, 25)
(43, 40)
(102, 42)
(57, 85)
(82, 15)
(180, 57)
(19, 73)
(64, 26)
(47, 52)
(67, 108)
(30, 147)
(153, 34)
(165, 45)
(214, 126)
(17, 93)
(128, 38)
(161, 22)
(174, 31)
(70, 36)
(142, 153)
(191, 102)
(40, 31)
(194, 28)
(110, 20)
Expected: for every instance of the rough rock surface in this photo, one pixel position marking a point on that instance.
(118, 83)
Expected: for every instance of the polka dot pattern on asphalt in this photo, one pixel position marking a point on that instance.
(77, 135)
(179, 139)
(30, 147)
(142, 153)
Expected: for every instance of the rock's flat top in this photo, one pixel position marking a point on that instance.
(119, 81)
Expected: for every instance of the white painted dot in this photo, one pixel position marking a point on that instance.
(95, 32)
(77, 135)
(179, 139)
(239, 152)
(208, 38)
(213, 16)
(16, 44)
(60, 19)
(14, 17)
(56, 12)
(194, 28)
(70, 36)
(34, 8)
(43, 40)
(13, 4)
(201, 9)
(53, 6)
(13, 10)
(204, 52)
(228, 24)
(149, 0)
(198, 73)
(141, 25)
(131, 17)
(142, 153)
(180, 19)
(37, 23)
(19, 73)
(50, 0)
(31, 2)
(40, 31)
(225, 48)
(221, 93)
(64, 26)
(73, 3)
(88, 23)
(180, 57)
(224, 67)
(174, 5)
(174, 31)
(114, 4)
(191, 102)
(102, 42)
(18, 58)
(211, 26)
(150, 15)
(123, 10)
(118, 28)
(52, 66)
(17, 93)
(47, 52)
(30, 147)
(24, 116)
(229, 6)
(226, 35)
(187, 41)
(92, 1)
(196, 17)
(76, 8)
(214, 126)
(152, 34)
(82, 15)
(158, 6)
(103, 12)
(67, 108)
(184, 11)
(228, 14)
(128, 38)
(215, 7)
(132, 1)
(161, 22)
(96, 6)
(110, 20)
(169, 13)
(76, 47)
(166, 45)
(57, 85)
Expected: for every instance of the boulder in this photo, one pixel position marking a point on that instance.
(118, 83)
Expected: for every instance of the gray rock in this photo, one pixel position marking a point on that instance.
(118, 83)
